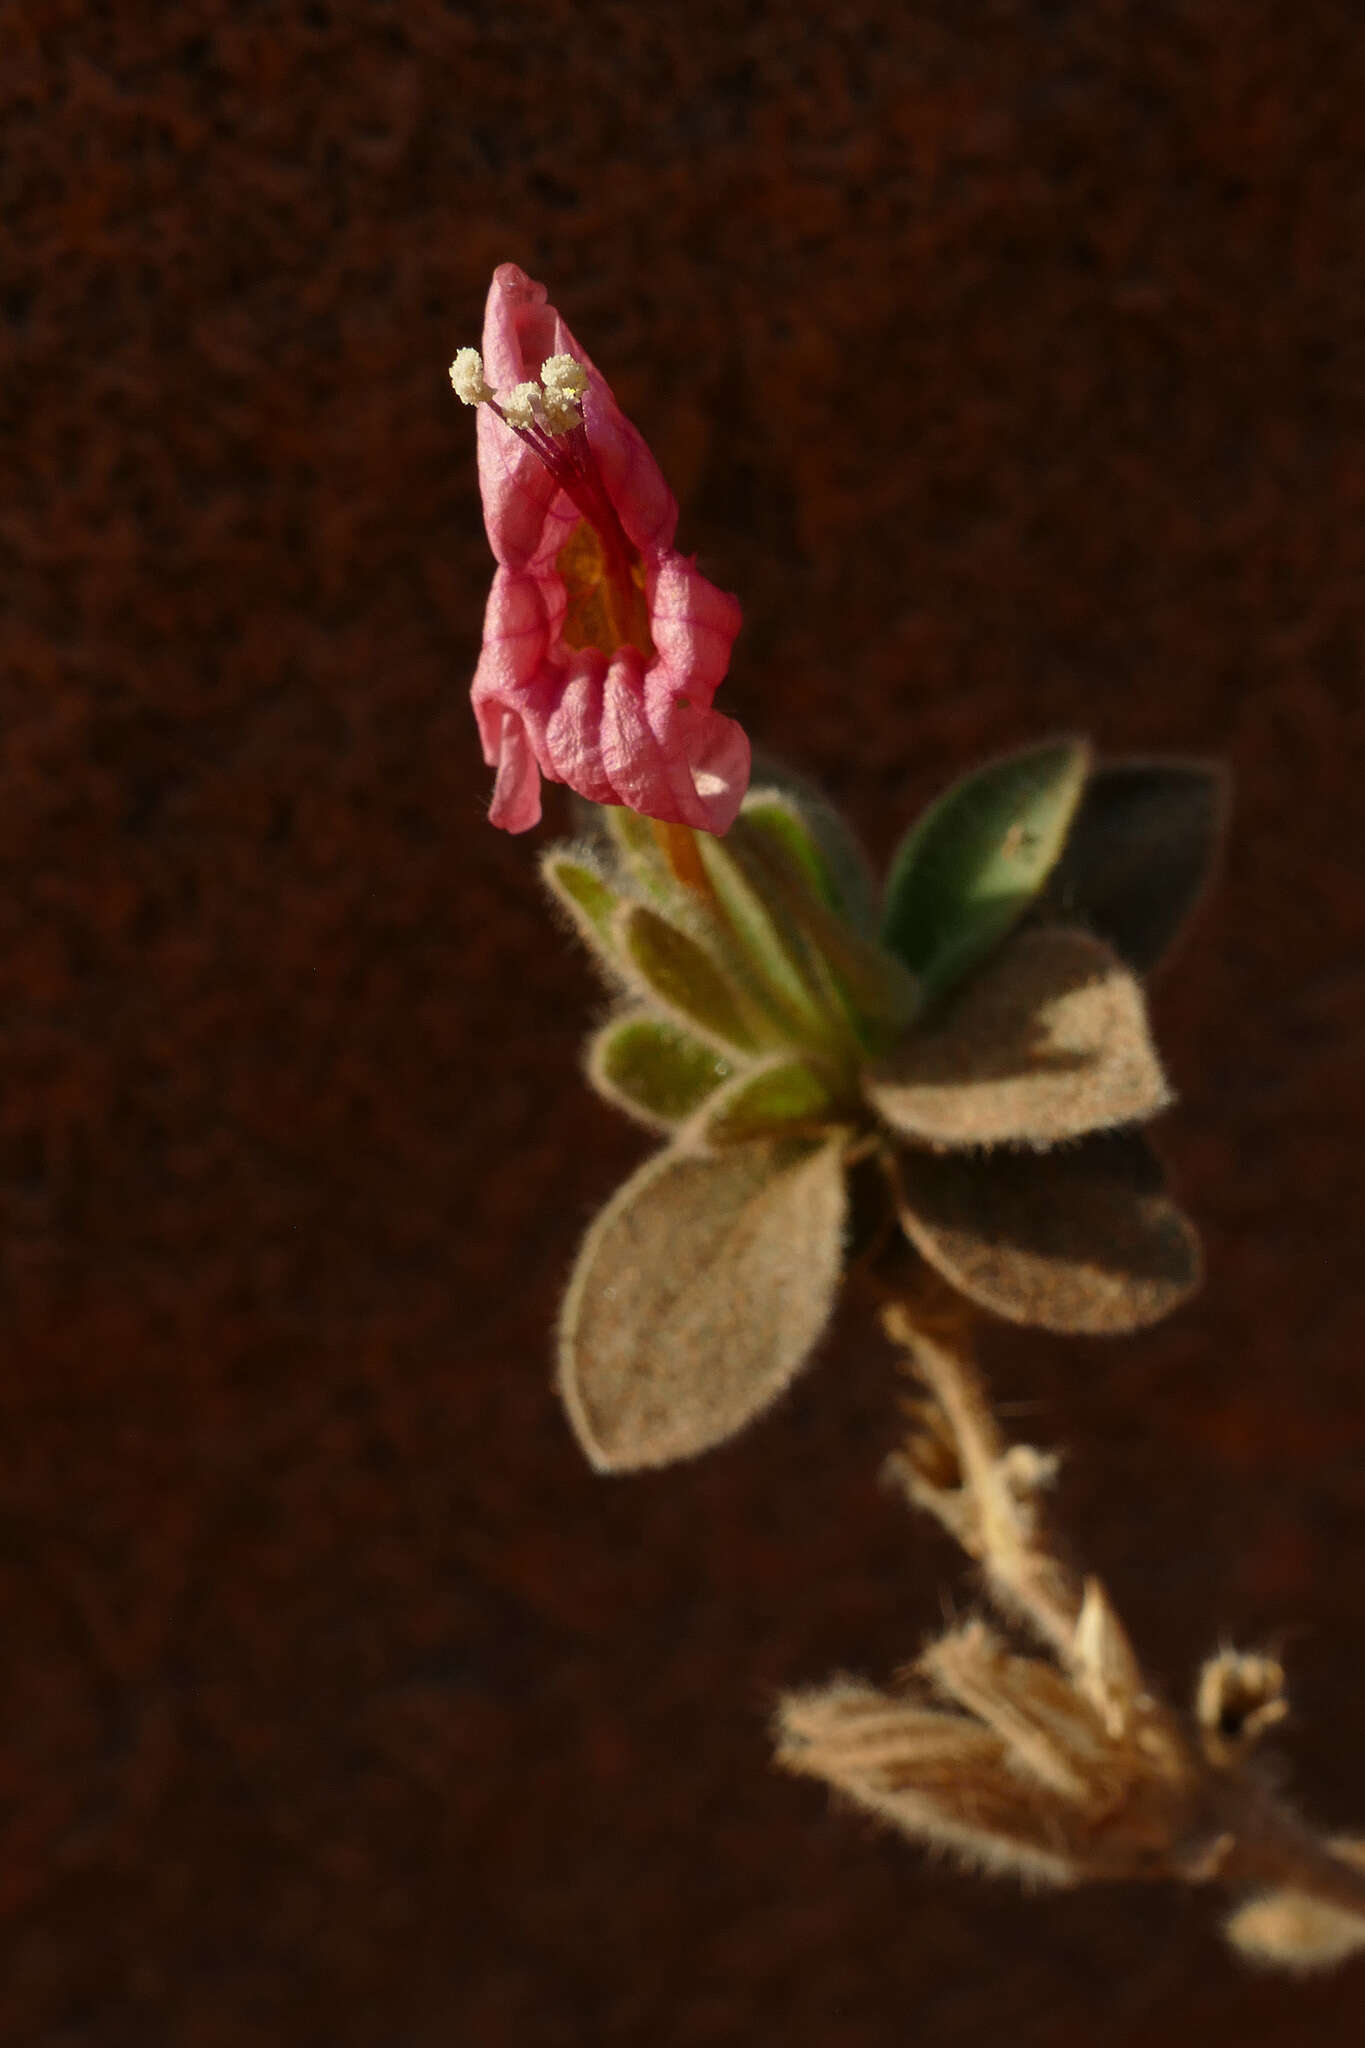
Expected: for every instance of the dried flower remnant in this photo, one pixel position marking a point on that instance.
(1289, 1929)
(1065, 1768)
(603, 646)
(1239, 1698)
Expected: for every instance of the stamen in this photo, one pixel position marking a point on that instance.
(519, 406)
(565, 380)
(559, 412)
(466, 374)
(564, 373)
(549, 420)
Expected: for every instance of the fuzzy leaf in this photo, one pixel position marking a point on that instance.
(637, 848)
(766, 944)
(1046, 1041)
(757, 1104)
(654, 1070)
(589, 899)
(846, 866)
(673, 971)
(1140, 852)
(1083, 1241)
(699, 1292)
(978, 858)
(780, 823)
(860, 983)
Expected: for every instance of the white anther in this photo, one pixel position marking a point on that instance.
(466, 374)
(564, 373)
(559, 411)
(519, 405)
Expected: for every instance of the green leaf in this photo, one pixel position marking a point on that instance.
(1046, 1041)
(654, 1070)
(581, 889)
(758, 1103)
(777, 819)
(672, 970)
(1084, 1240)
(843, 858)
(1140, 852)
(700, 1291)
(766, 946)
(639, 852)
(870, 992)
(972, 865)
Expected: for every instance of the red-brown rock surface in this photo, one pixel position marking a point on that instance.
(1009, 362)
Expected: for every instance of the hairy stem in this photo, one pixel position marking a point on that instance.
(1024, 1576)
(1223, 1825)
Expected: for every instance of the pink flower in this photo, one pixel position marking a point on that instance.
(602, 645)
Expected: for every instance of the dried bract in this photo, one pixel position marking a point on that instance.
(1291, 1930)
(1237, 1698)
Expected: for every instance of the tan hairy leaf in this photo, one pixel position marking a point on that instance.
(1053, 1735)
(1046, 1041)
(699, 1293)
(1083, 1240)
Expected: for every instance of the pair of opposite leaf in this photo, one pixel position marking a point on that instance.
(984, 1040)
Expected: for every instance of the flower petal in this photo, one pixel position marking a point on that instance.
(693, 625)
(619, 723)
(520, 330)
(516, 793)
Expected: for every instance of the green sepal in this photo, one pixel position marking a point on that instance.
(769, 813)
(653, 1070)
(579, 886)
(781, 1095)
(971, 866)
(765, 946)
(1142, 846)
(641, 857)
(840, 853)
(861, 982)
(674, 973)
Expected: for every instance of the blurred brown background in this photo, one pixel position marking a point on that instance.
(1009, 361)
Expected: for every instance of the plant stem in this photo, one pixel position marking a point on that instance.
(679, 847)
(1227, 1826)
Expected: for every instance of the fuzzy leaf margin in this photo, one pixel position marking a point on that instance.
(675, 973)
(656, 1072)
